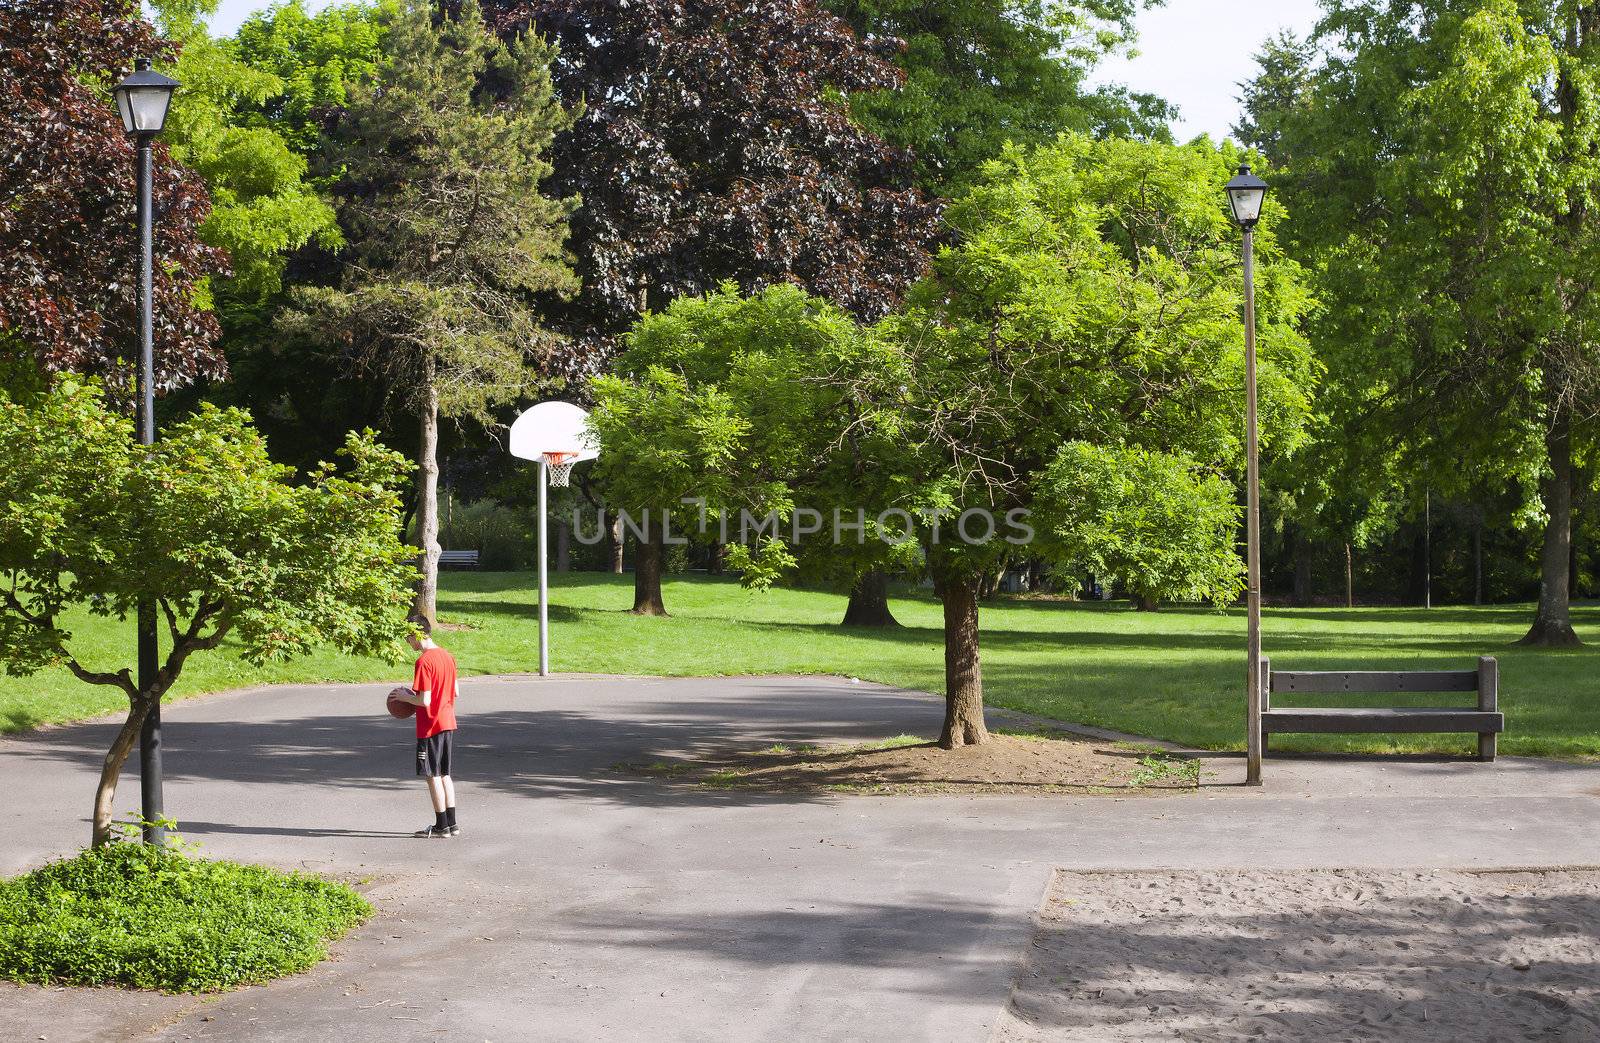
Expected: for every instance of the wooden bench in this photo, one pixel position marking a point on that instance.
(1486, 719)
(461, 559)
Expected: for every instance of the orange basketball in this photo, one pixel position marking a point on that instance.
(399, 707)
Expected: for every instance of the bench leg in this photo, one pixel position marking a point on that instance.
(1486, 746)
(1266, 738)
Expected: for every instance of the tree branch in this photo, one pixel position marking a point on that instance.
(122, 679)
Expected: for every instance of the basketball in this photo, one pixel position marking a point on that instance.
(399, 707)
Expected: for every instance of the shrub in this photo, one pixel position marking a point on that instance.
(127, 914)
(502, 537)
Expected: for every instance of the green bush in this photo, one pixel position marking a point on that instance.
(502, 536)
(138, 916)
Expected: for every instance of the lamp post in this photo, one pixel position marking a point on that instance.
(1246, 192)
(142, 100)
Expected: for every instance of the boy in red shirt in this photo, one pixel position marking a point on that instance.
(433, 693)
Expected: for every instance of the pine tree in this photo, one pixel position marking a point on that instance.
(449, 235)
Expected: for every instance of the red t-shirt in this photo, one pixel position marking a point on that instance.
(436, 674)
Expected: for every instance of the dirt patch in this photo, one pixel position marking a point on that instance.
(1421, 956)
(1015, 762)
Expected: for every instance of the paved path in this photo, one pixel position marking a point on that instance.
(584, 904)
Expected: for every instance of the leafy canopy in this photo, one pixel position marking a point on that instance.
(1093, 297)
(68, 238)
(984, 73)
(716, 144)
(317, 58)
(440, 161)
(262, 206)
(204, 525)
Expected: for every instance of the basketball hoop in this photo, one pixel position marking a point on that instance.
(557, 435)
(560, 466)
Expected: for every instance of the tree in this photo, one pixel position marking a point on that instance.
(262, 205)
(1092, 299)
(442, 159)
(299, 396)
(68, 239)
(984, 73)
(1445, 163)
(717, 144)
(1085, 326)
(318, 58)
(205, 526)
(717, 412)
(1276, 95)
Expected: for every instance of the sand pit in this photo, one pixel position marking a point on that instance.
(1324, 955)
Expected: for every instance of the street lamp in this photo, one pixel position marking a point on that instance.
(1246, 193)
(142, 100)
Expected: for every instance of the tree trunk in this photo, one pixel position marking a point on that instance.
(647, 574)
(1477, 557)
(617, 542)
(563, 547)
(963, 679)
(1417, 594)
(1302, 571)
(1572, 551)
(1552, 623)
(869, 602)
(1427, 549)
(1349, 578)
(1147, 603)
(428, 502)
(105, 793)
(989, 586)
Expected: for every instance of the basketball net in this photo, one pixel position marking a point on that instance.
(559, 466)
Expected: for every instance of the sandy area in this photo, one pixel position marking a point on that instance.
(1038, 762)
(1324, 955)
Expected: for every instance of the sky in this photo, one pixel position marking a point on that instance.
(1191, 52)
(1195, 53)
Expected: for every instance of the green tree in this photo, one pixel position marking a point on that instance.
(1445, 164)
(719, 400)
(262, 206)
(1275, 95)
(1159, 522)
(318, 58)
(221, 539)
(981, 73)
(299, 396)
(1085, 327)
(1093, 298)
(440, 161)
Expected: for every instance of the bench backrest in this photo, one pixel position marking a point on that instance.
(1485, 680)
(1375, 681)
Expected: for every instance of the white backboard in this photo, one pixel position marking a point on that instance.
(553, 427)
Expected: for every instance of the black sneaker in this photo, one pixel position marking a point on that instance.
(453, 830)
(433, 831)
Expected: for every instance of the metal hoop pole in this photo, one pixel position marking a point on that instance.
(1252, 745)
(544, 577)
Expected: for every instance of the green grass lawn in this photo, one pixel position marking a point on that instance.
(1176, 674)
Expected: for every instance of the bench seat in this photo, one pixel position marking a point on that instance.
(1328, 719)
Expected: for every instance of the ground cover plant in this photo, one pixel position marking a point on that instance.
(147, 917)
(1176, 674)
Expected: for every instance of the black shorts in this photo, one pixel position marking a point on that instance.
(434, 754)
